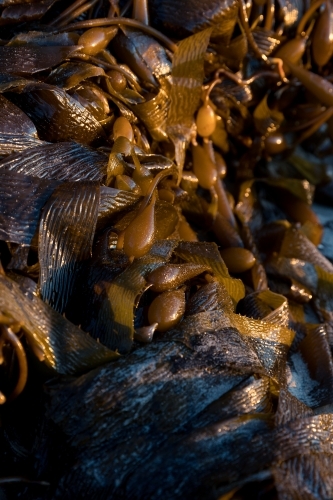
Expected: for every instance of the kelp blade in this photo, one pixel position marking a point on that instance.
(66, 234)
(21, 201)
(67, 349)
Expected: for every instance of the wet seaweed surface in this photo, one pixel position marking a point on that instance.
(166, 255)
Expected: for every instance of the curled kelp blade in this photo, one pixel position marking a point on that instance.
(166, 376)
(25, 60)
(266, 120)
(64, 161)
(66, 232)
(267, 305)
(14, 121)
(153, 162)
(154, 113)
(324, 299)
(267, 341)
(70, 74)
(208, 254)
(210, 297)
(21, 201)
(90, 288)
(65, 347)
(145, 56)
(115, 322)
(113, 201)
(58, 116)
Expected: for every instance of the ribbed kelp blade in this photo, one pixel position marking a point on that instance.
(66, 234)
(144, 54)
(66, 348)
(15, 143)
(143, 400)
(196, 463)
(296, 245)
(250, 396)
(17, 131)
(164, 391)
(113, 201)
(21, 201)
(267, 344)
(231, 449)
(308, 476)
(187, 78)
(267, 305)
(210, 297)
(57, 115)
(290, 408)
(25, 60)
(153, 113)
(300, 260)
(66, 161)
(115, 322)
(208, 254)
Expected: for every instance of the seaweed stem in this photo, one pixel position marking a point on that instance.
(12, 339)
(76, 13)
(92, 23)
(66, 12)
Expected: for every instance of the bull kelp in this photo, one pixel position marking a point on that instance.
(166, 259)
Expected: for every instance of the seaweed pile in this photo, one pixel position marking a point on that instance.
(166, 259)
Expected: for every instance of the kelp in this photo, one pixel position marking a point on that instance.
(115, 322)
(70, 74)
(145, 56)
(66, 234)
(20, 12)
(10, 143)
(113, 201)
(205, 253)
(59, 117)
(63, 346)
(270, 343)
(187, 76)
(191, 18)
(21, 201)
(14, 121)
(154, 113)
(64, 161)
(166, 386)
(123, 164)
(26, 60)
